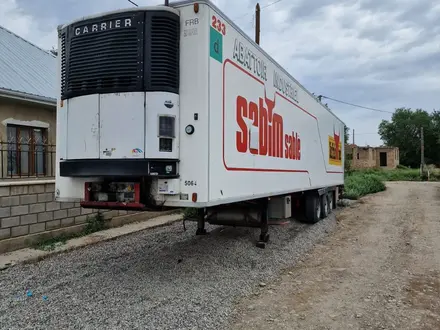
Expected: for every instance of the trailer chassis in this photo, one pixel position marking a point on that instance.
(310, 207)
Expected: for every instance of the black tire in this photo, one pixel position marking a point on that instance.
(313, 208)
(324, 206)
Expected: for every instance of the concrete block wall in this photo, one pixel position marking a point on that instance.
(365, 158)
(392, 157)
(29, 208)
(370, 157)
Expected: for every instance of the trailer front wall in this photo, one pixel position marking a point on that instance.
(268, 136)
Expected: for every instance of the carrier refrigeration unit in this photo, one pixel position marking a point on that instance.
(175, 106)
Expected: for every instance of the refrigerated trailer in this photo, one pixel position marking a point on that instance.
(175, 106)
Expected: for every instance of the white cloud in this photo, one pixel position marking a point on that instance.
(376, 53)
(27, 26)
(12, 17)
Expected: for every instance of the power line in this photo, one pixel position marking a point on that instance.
(268, 5)
(320, 96)
(354, 105)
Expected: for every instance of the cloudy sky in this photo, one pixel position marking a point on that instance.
(376, 53)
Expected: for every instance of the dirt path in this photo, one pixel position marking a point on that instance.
(379, 270)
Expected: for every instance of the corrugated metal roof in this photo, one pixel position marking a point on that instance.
(26, 68)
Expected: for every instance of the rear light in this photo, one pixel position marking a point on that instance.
(194, 197)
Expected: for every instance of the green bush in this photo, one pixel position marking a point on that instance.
(434, 175)
(190, 213)
(359, 184)
(347, 166)
(95, 223)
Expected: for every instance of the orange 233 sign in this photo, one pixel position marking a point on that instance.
(335, 149)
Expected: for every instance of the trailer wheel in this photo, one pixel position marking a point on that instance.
(313, 208)
(325, 207)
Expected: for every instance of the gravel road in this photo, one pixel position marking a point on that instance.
(379, 270)
(157, 279)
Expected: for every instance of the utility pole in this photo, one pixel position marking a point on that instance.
(422, 151)
(257, 23)
(353, 136)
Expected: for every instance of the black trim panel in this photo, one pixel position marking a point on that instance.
(119, 167)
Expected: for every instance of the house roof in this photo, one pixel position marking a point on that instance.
(25, 69)
(350, 145)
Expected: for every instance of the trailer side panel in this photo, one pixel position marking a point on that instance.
(268, 136)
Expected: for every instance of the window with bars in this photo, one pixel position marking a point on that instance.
(26, 151)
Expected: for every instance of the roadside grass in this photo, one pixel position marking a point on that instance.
(93, 224)
(398, 174)
(359, 183)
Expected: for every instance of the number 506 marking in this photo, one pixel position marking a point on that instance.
(218, 24)
(190, 183)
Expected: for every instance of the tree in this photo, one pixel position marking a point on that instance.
(436, 124)
(54, 51)
(403, 131)
(346, 134)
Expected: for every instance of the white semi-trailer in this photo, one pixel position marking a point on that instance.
(175, 106)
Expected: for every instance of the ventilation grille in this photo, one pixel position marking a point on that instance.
(63, 62)
(106, 61)
(104, 55)
(167, 126)
(164, 56)
(141, 57)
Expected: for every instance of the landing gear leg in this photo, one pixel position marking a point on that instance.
(264, 236)
(201, 222)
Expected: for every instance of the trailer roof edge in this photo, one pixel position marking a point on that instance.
(209, 3)
(116, 11)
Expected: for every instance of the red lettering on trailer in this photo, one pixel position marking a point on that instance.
(242, 136)
(270, 130)
(217, 24)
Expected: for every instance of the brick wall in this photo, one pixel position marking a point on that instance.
(370, 157)
(392, 157)
(27, 209)
(365, 158)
